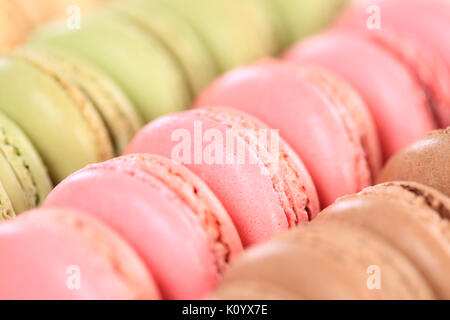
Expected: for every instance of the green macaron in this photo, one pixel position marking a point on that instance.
(177, 35)
(268, 21)
(119, 115)
(134, 58)
(58, 118)
(304, 17)
(227, 27)
(24, 180)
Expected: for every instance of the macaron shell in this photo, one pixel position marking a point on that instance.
(425, 161)
(30, 159)
(62, 131)
(428, 67)
(136, 60)
(307, 16)
(107, 266)
(279, 29)
(37, 11)
(381, 80)
(262, 18)
(173, 245)
(14, 24)
(118, 114)
(329, 261)
(227, 31)
(404, 222)
(178, 35)
(402, 16)
(306, 119)
(355, 114)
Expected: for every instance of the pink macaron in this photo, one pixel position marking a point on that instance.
(319, 114)
(168, 215)
(63, 254)
(428, 21)
(393, 94)
(258, 178)
(419, 43)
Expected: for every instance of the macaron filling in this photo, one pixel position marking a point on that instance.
(284, 174)
(141, 166)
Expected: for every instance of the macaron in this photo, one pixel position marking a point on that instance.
(386, 84)
(261, 182)
(321, 116)
(183, 41)
(23, 177)
(276, 29)
(425, 65)
(37, 11)
(401, 17)
(168, 215)
(227, 27)
(62, 254)
(117, 112)
(134, 58)
(266, 20)
(329, 261)
(307, 16)
(58, 118)
(411, 217)
(426, 161)
(14, 24)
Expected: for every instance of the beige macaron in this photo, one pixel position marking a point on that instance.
(330, 260)
(412, 218)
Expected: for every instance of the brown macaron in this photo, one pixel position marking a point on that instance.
(411, 217)
(426, 161)
(331, 260)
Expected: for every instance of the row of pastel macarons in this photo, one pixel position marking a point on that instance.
(75, 115)
(19, 17)
(81, 95)
(288, 196)
(142, 226)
